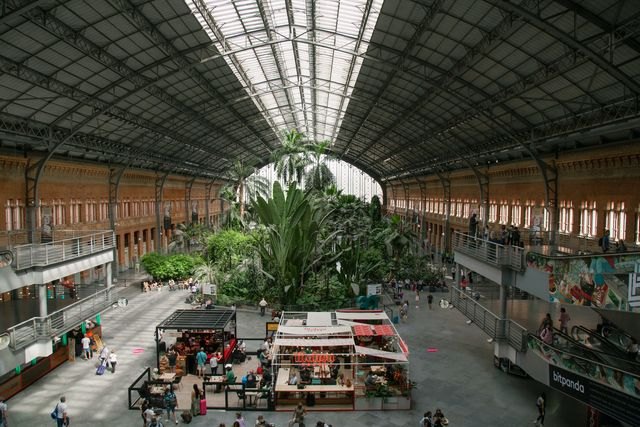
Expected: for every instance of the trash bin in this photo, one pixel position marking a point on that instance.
(396, 319)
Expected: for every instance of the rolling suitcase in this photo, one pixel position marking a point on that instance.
(203, 407)
(101, 368)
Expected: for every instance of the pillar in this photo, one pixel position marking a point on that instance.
(42, 300)
(108, 280)
(502, 331)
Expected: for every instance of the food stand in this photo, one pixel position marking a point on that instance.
(381, 361)
(214, 330)
(323, 359)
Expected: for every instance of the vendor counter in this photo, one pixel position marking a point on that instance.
(326, 395)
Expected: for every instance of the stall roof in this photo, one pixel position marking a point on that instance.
(307, 342)
(319, 319)
(378, 330)
(314, 330)
(362, 315)
(216, 318)
(399, 357)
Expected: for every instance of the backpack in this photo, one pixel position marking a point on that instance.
(600, 240)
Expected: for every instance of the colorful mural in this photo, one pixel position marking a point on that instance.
(590, 280)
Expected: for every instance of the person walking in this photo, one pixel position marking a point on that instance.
(417, 299)
(604, 241)
(113, 361)
(298, 415)
(4, 413)
(146, 412)
(213, 364)
(263, 306)
(86, 347)
(61, 412)
(195, 400)
(201, 359)
(541, 403)
(564, 321)
(473, 226)
(104, 355)
(427, 420)
(170, 404)
(240, 420)
(430, 301)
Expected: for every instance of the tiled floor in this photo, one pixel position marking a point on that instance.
(457, 375)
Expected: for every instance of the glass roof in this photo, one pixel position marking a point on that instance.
(298, 59)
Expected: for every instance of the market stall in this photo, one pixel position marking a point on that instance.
(187, 331)
(380, 362)
(325, 358)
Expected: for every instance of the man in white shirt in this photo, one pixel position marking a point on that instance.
(149, 415)
(263, 306)
(213, 363)
(86, 347)
(61, 412)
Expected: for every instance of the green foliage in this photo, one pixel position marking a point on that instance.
(291, 249)
(165, 267)
(228, 248)
(375, 210)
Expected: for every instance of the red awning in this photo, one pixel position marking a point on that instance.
(384, 330)
(362, 330)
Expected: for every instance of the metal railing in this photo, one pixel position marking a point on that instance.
(489, 322)
(490, 252)
(74, 245)
(61, 321)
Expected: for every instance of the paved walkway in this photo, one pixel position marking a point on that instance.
(458, 377)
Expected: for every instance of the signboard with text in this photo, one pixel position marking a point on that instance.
(621, 406)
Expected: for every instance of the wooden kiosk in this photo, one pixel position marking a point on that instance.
(211, 329)
(317, 359)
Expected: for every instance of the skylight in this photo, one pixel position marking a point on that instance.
(298, 59)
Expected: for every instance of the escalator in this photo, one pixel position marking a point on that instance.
(600, 379)
(617, 337)
(615, 342)
(595, 348)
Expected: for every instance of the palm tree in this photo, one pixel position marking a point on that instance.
(246, 184)
(291, 158)
(319, 176)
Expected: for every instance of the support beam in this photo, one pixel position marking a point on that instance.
(115, 176)
(483, 186)
(207, 196)
(549, 174)
(159, 187)
(187, 201)
(446, 194)
(528, 10)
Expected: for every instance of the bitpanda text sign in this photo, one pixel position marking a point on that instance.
(617, 404)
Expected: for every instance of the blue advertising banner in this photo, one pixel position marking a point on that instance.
(618, 405)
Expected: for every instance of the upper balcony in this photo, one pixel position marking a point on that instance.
(61, 246)
(494, 254)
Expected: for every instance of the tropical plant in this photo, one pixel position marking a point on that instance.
(375, 209)
(185, 236)
(228, 248)
(165, 267)
(291, 158)
(293, 246)
(399, 240)
(231, 218)
(318, 176)
(246, 184)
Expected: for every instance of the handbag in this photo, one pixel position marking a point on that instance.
(54, 413)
